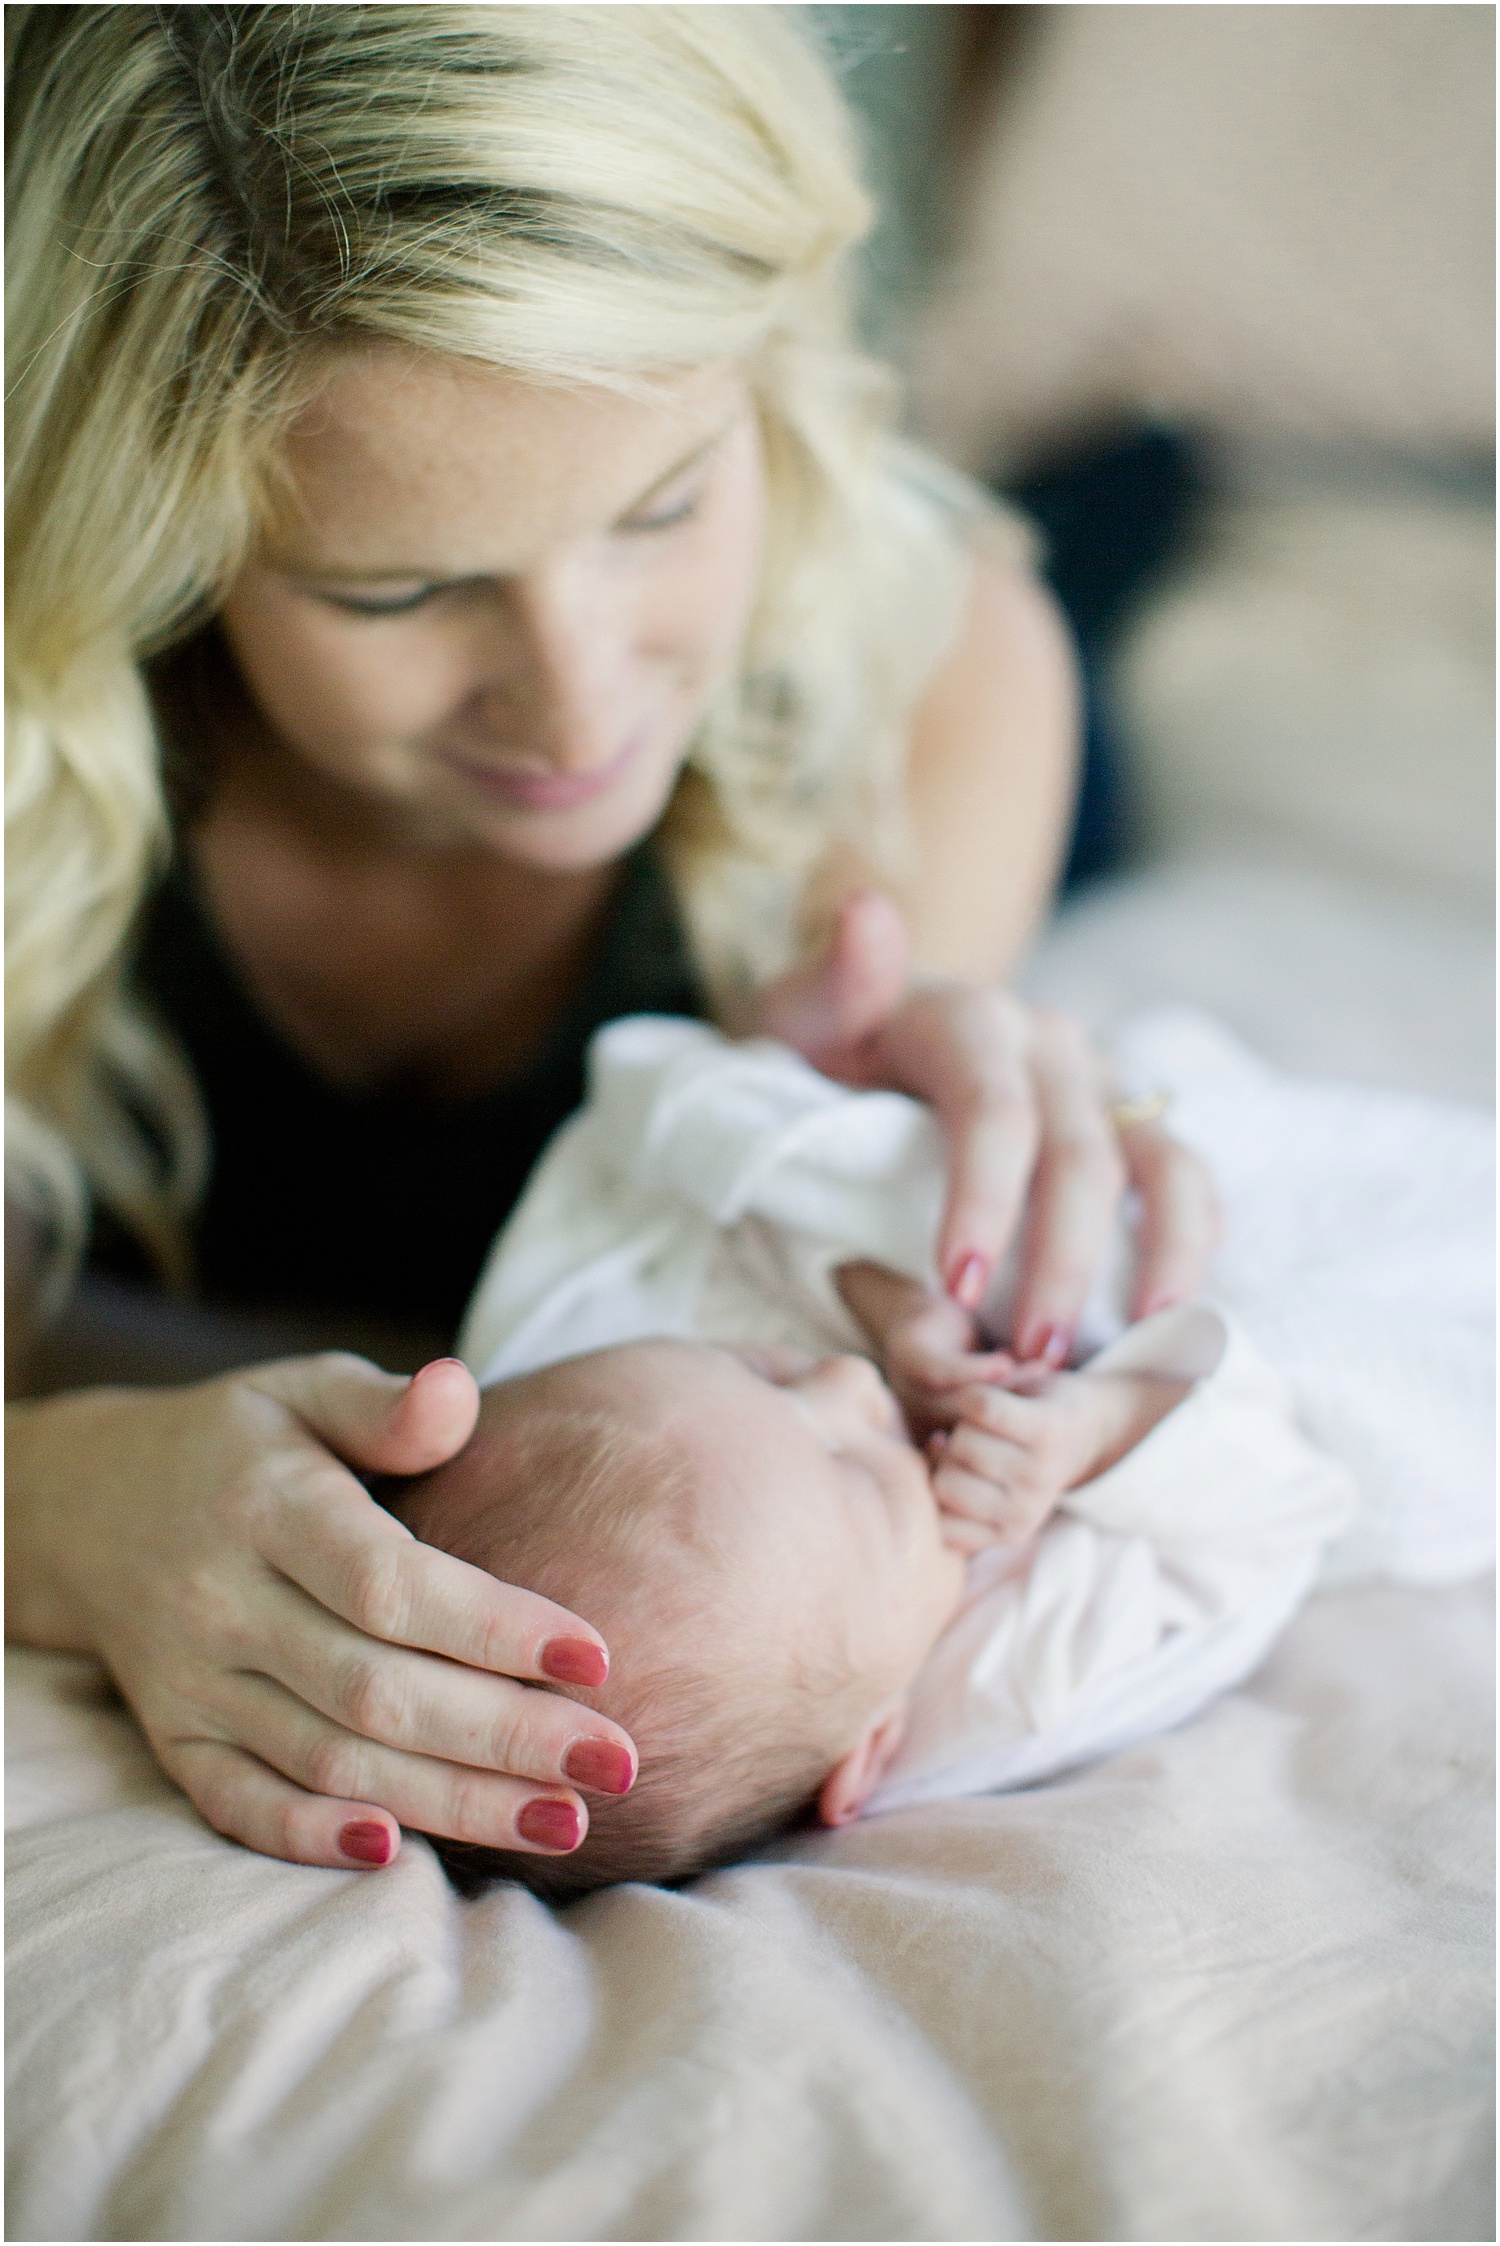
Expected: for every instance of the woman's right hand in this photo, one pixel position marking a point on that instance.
(1034, 1148)
(310, 1674)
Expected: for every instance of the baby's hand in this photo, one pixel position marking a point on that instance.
(1012, 1455)
(930, 1361)
(1015, 1452)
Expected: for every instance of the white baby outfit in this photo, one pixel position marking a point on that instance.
(708, 1191)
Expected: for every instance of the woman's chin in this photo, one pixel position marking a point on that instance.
(578, 838)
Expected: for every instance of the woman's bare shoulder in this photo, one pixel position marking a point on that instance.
(992, 773)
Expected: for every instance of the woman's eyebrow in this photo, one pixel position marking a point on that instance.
(680, 467)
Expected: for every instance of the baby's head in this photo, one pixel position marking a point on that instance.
(760, 1551)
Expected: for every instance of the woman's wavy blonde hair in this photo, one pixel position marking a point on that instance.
(203, 200)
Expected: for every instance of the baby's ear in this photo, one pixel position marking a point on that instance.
(855, 1776)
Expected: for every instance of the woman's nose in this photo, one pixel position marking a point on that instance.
(553, 684)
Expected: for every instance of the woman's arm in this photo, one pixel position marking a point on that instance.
(992, 773)
(1023, 1098)
(114, 1333)
(992, 777)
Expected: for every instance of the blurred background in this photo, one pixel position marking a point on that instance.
(1209, 292)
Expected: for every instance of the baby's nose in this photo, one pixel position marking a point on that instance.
(854, 1383)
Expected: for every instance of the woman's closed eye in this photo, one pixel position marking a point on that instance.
(386, 604)
(664, 515)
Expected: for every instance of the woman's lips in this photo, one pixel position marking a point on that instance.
(533, 790)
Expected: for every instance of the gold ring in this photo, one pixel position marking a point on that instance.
(1125, 1114)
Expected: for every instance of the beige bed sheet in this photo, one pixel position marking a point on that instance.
(1227, 1986)
(1233, 1984)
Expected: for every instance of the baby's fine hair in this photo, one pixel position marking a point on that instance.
(734, 1735)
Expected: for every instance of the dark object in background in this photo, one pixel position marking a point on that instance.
(1112, 514)
(1113, 509)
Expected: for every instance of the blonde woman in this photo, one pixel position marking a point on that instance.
(463, 586)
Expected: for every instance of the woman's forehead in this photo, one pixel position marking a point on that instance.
(406, 458)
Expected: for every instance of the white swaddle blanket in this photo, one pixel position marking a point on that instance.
(708, 1191)
(1359, 1254)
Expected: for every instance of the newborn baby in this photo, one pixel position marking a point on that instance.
(762, 1553)
(776, 1555)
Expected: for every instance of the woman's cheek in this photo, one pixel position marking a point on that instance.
(383, 685)
(339, 696)
(720, 569)
(716, 587)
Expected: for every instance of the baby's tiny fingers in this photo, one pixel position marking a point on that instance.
(964, 1532)
(994, 1464)
(965, 1536)
(999, 1411)
(988, 1511)
(959, 1489)
(1028, 1479)
(1005, 1516)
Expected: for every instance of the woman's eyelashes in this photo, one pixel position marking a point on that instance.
(403, 604)
(399, 605)
(666, 517)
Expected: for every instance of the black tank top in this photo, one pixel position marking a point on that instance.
(383, 1205)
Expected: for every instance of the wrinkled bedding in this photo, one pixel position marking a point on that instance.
(1230, 1984)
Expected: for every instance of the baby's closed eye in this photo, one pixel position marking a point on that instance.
(775, 1363)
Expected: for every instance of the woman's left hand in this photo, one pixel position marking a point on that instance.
(1024, 1103)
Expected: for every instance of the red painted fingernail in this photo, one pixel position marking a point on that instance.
(367, 1842)
(574, 1661)
(1050, 1346)
(966, 1280)
(551, 1824)
(601, 1764)
(1056, 1342)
